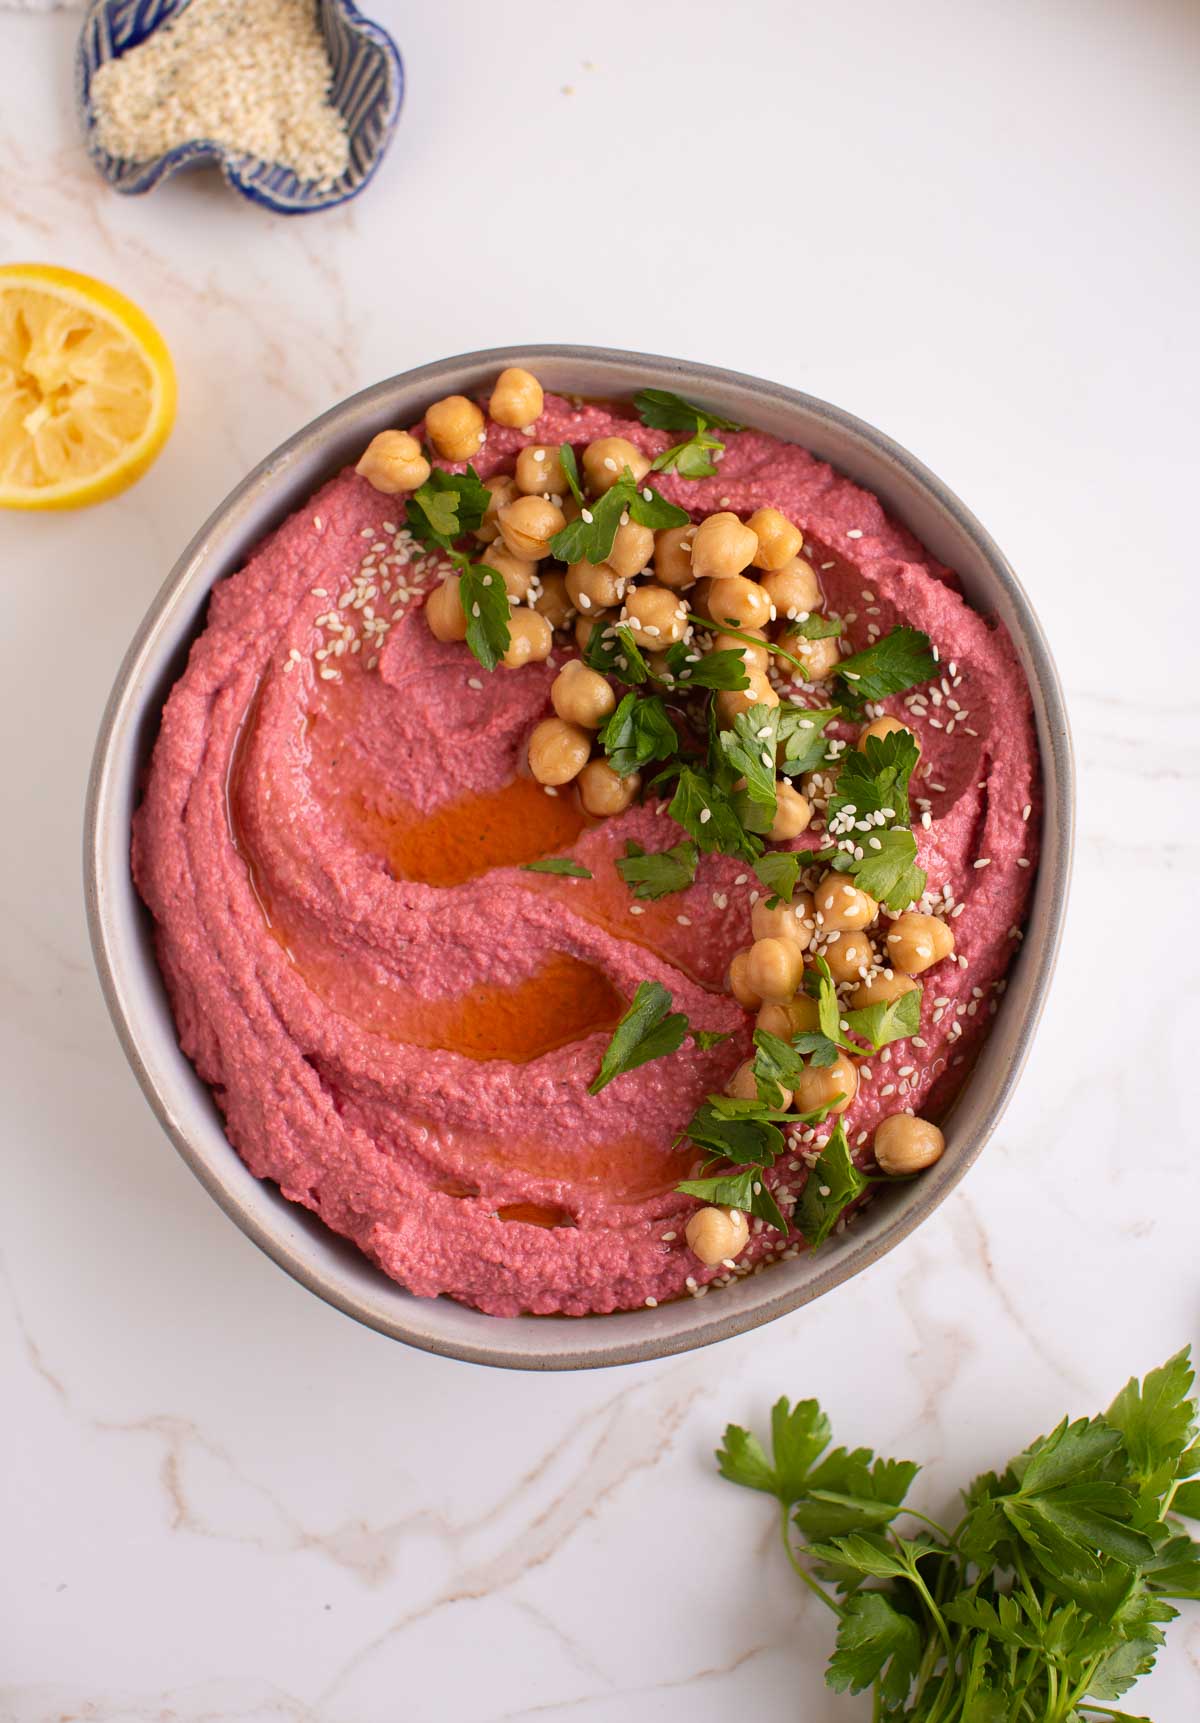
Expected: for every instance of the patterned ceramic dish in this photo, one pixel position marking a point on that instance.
(123, 939)
(367, 89)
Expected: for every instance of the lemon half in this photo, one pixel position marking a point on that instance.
(87, 389)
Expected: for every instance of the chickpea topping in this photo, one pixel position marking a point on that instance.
(840, 904)
(528, 525)
(540, 471)
(881, 989)
(916, 942)
(587, 622)
(673, 557)
(558, 751)
(739, 982)
(793, 812)
(517, 575)
(504, 491)
(778, 540)
(604, 460)
(717, 1235)
(582, 696)
(849, 955)
(655, 615)
(904, 1144)
(392, 462)
(517, 400)
(455, 427)
(731, 701)
(594, 586)
(754, 657)
(819, 1084)
(743, 1087)
(820, 658)
(881, 727)
(798, 1017)
(739, 601)
(632, 548)
(553, 600)
(603, 792)
(794, 589)
(723, 547)
(773, 970)
(444, 612)
(793, 921)
(530, 639)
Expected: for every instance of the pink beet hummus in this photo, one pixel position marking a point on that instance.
(398, 1023)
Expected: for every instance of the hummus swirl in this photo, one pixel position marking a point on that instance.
(398, 1021)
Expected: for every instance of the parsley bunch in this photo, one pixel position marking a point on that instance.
(1044, 1603)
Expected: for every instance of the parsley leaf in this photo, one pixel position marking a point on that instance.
(560, 865)
(590, 538)
(570, 467)
(706, 1038)
(869, 811)
(900, 660)
(707, 813)
(832, 1184)
(815, 626)
(779, 871)
(722, 669)
(663, 411)
(874, 780)
(748, 746)
(875, 1643)
(614, 652)
(776, 1064)
(802, 733)
(741, 1190)
(486, 607)
(691, 460)
(658, 873)
(889, 872)
(446, 506)
(638, 732)
(645, 1032)
(889, 1020)
(1157, 1421)
(799, 1435)
(746, 1134)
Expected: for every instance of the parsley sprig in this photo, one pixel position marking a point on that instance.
(869, 820)
(441, 511)
(1045, 1602)
(692, 459)
(648, 1030)
(590, 537)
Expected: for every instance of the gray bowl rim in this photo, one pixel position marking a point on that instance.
(777, 1293)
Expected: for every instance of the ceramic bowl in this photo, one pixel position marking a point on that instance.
(122, 936)
(367, 88)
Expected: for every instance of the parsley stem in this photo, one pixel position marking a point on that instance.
(813, 1585)
(751, 639)
(924, 1518)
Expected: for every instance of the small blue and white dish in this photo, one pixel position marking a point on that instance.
(367, 88)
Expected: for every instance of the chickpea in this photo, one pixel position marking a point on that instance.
(778, 540)
(840, 904)
(605, 459)
(530, 639)
(553, 600)
(881, 989)
(392, 462)
(631, 550)
(916, 942)
(819, 1084)
(517, 399)
(905, 1144)
(722, 547)
(849, 955)
(754, 656)
(540, 472)
(798, 1017)
(793, 589)
(504, 491)
(594, 586)
(717, 1235)
(881, 727)
(516, 574)
(739, 601)
(739, 982)
(582, 696)
(731, 701)
(455, 427)
(659, 668)
(744, 1087)
(444, 612)
(792, 921)
(604, 793)
(773, 970)
(820, 658)
(793, 812)
(558, 751)
(673, 557)
(587, 624)
(528, 525)
(654, 613)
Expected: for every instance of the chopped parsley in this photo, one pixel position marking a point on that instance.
(447, 506)
(900, 660)
(485, 604)
(688, 668)
(742, 1190)
(658, 873)
(779, 871)
(889, 1020)
(748, 747)
(564, 865)
(590, 538)
(663, 411)
(869, 820)
(833, 1183)
(649, 1030)
(614, 652)
(706, 811)
(638, 732)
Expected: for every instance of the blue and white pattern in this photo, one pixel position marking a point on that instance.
(367, 88)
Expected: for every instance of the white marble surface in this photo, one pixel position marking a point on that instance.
(974, 225)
